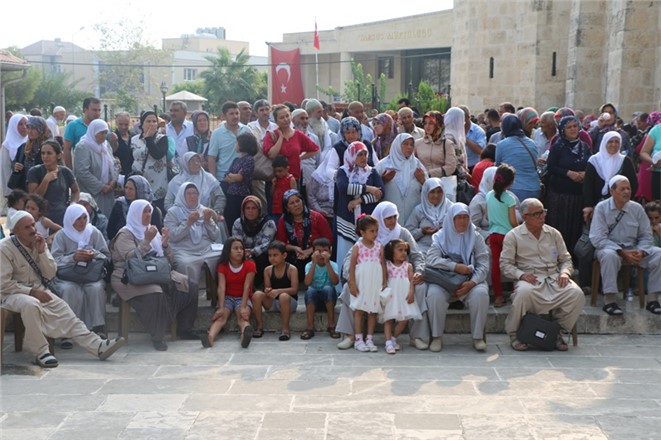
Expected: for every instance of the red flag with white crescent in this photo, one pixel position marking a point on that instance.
(315, 43)
(286, 82)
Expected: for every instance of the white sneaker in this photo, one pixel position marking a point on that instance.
(390, 348)
(395, 344)
(370, 345)
(109, 346)
(361, 346)
(419, 344)
(345, 343)
(436, 345)
(479, 345)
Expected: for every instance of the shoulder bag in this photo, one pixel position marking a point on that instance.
(541, 171)
(539, 332)
(263, 164)
(448, 280)
(46, 282)
(583, 248)
(83, 272)
(149, 269)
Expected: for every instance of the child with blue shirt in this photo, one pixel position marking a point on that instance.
(321, 277)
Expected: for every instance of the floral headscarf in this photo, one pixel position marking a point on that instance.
(355, 174)
(289, 220)
(382, 142)
(349, 123)
(438, 121)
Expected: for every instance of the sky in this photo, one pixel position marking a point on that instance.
(255, 21)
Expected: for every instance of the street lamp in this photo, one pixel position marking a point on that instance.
(164, 91)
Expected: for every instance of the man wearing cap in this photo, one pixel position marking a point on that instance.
(55, 121)
(318, 126)
(300, 119)
(26, 268)
(620, 232)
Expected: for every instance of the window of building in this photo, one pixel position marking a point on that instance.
(429, 65)
(386, 66)
(190, 74)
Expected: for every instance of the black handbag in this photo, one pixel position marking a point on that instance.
(149, 269)
(448, 280)
(538, 332)
(465, 192)
(83, 272)
(18, 179)
(583, 247)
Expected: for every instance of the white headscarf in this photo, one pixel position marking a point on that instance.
(486, 184)
(382, 211)
(14, 138)
(73, 213)
(435, 214)
(134, 224)
(102, 149)
(404, 166)
(205, 182)
(456, 245)
(454, 124)
(607, 165)
(356, 174)
(181, 210)
(326, 178)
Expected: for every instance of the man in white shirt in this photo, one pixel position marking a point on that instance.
(179, 128)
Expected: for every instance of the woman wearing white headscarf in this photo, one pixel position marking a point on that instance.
(94, 166)
(454, 130)
(358, 189)
(211, 194)
(403, 175)
(427, 217)
(389, 229)
(154, 310)
(192, 232)
(457, 247)
(478, 205)
(78, 242)
(602, 166)
(17, 135)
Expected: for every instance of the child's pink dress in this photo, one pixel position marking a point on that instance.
(369, 278)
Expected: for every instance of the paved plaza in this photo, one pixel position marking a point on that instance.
(607, 387)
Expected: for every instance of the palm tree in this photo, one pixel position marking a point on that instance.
(232, 79)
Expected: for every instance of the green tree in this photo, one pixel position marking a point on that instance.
(128, 72)
(360, 87)
(19, 94)
(428, 100)
(196, 87)
(231, 79)
(54, 89)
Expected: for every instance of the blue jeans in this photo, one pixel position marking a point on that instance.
(320, 297)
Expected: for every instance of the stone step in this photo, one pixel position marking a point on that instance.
(592, 320)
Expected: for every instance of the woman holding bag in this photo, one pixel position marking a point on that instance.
(154, 309)
(81, 247)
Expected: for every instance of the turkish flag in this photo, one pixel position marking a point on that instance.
(315, 42)
(286, 80)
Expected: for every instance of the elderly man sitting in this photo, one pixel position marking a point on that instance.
(621, 231)
(535, 255)
(26, 268)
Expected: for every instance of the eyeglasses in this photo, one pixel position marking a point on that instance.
(538, 213)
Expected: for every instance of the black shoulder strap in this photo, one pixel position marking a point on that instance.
(46, 282)
(617, 220)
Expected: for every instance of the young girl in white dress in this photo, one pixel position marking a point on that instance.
(400, 303)
(367, 277)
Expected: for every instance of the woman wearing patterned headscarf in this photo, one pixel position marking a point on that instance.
(358, 189)
(403, 175)
(385, 131)
(94, 166)
(298, 228)
(350, 131)
(435, 151)
(29, 153)
(650, 169)
(199, 142)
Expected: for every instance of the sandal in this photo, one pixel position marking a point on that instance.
(654, 307)
(613, 309)
(307, 334)
(46, 360)
(518, 345)
(246, 336)
(258, 333)
(204, 339)
(284, 336)
(66, 344)
(333, 334)
(499, 302)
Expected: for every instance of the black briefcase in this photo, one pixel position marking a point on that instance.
(538, 332)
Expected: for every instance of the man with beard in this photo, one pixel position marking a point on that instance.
(301, 120)
(318, 126)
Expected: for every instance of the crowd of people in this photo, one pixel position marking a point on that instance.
(395, 218)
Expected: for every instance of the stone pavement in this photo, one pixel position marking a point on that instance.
(607, 387)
